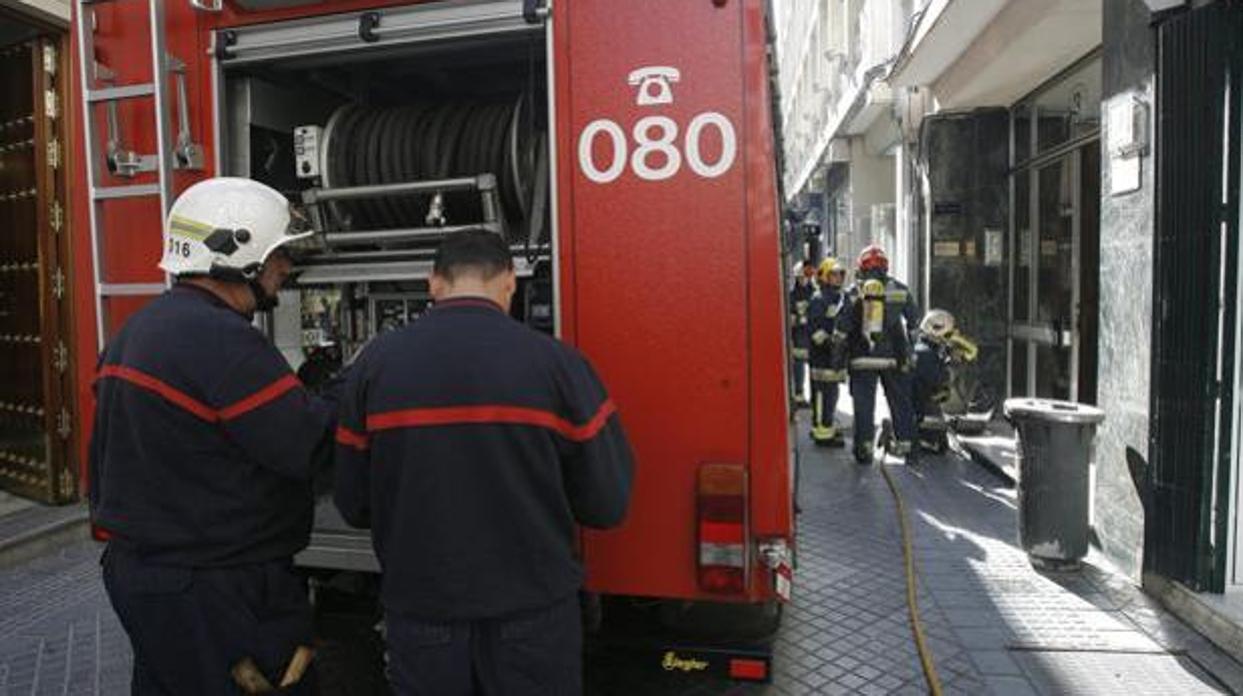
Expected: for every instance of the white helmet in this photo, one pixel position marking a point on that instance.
(937, 324)
(228, 226)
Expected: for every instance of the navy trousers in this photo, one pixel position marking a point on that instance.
(525, 654)
(823, 405)
(190, 626)
(898, 392)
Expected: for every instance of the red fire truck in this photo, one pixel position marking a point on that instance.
(626, 151)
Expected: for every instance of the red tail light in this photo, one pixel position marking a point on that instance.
(748, 670)
(100, 534)
(722, 526)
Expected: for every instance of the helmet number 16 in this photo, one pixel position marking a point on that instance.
(656, 156)
(179, 247)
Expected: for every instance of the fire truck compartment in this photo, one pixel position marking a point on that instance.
(392, 129)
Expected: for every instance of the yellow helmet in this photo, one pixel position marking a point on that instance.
(828, 267)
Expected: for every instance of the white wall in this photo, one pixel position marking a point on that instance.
(872, 182)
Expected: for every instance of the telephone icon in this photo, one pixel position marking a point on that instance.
(654, 84)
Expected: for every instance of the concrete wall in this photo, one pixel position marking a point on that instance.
(965, 160)
(1127, 224)
(872, 182)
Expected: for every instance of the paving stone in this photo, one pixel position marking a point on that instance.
(1009, 686)
(995, 663)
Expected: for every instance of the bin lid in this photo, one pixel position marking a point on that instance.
(1053, 410)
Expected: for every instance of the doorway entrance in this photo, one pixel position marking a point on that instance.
(36, 365)
(1055, 235)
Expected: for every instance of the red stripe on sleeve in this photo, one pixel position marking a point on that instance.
(161, 388)
(349, 438)
(269, 393)
(492, 414)
(597, 422)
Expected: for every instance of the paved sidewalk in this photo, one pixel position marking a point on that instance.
(994, 624)
(1086, 632)
(58, 634)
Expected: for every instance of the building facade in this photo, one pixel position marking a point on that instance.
(1063, 175)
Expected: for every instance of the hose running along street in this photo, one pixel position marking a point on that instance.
(912, 605)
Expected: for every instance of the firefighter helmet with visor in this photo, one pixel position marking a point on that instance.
(227, 227)
(937, 325)
(873, 258)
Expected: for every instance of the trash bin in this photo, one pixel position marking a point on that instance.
(1054, 453)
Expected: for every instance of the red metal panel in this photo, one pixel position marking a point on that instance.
(130, 229)
(772, 508)
(657, 268)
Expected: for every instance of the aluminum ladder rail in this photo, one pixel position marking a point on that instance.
(92, 94)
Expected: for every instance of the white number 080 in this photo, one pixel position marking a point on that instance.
(666, 133)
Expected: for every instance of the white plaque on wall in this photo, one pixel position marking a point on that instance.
(992, 247)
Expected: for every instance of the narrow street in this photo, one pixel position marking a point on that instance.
(993, 623)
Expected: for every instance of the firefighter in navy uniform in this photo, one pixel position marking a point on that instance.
(800, 333)
(827, 369)
(472, 446)
(202, 456)
(876, 332)
(941, 347)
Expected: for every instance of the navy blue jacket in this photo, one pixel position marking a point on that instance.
(471, 445)
(800, 302)
(204, 442)
(822, 317)
(931, 377)
(900, 326)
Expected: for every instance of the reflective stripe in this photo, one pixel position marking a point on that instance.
(163, 389)
(824, 374)
(190, 228)
(832, 311)
(896, 296)
(873, 364)
(800, 353)
(820, 336)
(492, 415)
(194, 406)
(824, 432)
(349, 438)
(263, 396)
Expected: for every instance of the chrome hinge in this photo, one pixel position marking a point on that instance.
(50, 106)
(60, 357)
(49, 58)
(53, 154)
(58, 284)
(56, 217)
(64, 425)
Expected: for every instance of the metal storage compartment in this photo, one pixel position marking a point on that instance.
(393, 128)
